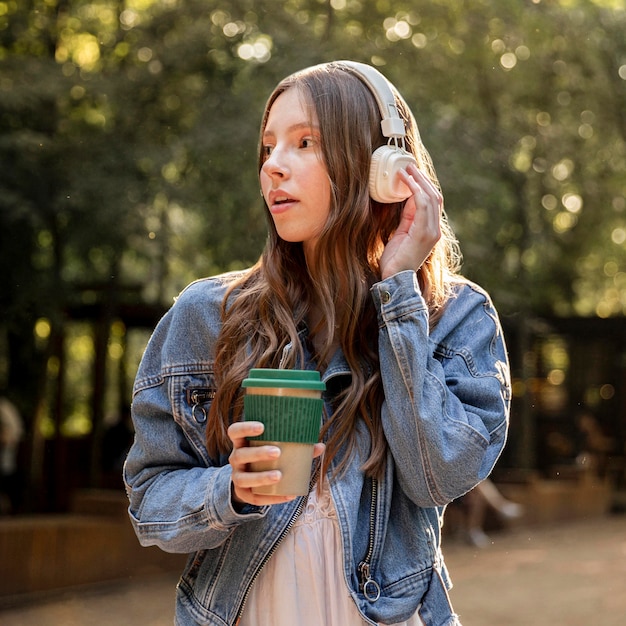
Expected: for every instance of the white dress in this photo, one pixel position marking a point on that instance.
(285, 593)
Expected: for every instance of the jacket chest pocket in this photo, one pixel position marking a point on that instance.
(191, 396)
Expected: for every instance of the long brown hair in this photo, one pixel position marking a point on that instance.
(266, 308)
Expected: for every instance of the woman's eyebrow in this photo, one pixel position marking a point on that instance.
(293, 128)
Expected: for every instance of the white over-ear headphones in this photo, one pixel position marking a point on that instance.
(384, 184)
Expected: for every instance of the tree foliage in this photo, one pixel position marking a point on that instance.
(129, 131)
(128, 134)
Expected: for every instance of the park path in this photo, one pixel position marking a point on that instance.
(571, 574)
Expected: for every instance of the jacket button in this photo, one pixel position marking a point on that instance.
(385, 296)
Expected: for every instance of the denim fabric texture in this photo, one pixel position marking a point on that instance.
(445, 417)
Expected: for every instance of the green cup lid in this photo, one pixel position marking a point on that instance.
(300, 379)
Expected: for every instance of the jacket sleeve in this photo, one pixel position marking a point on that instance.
(447, 393)
(179, 499)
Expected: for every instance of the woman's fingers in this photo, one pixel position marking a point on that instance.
(425, 226)
(243, 480)
(425, 184)
(239, 431)
(242, 455)
(318, 450)
(419, 228)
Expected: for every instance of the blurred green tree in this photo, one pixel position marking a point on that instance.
(128, 133)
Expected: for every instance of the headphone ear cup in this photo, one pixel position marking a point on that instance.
(385, 184)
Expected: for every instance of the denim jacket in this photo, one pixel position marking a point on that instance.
(445, 418)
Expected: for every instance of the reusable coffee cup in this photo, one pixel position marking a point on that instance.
(289, 403)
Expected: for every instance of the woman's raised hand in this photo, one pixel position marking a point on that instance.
(420, 226)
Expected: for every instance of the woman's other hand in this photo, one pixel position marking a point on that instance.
(243, 480)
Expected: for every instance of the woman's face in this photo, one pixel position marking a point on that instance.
(294, 179)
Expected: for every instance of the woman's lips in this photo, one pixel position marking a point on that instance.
(279, 202)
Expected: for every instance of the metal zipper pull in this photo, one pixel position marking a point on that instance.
(369, 587)
(197, 398)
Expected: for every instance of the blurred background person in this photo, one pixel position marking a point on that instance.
(11, 433)
(476, 504)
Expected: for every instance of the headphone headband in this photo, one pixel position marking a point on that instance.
(392, 125)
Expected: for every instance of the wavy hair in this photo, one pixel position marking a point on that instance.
(266, 308)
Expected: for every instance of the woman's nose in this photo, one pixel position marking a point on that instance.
(275, 164)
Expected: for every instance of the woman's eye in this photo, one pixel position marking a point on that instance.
(267, 150)
(307, 142)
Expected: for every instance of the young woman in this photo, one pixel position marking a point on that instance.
(417, 384)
